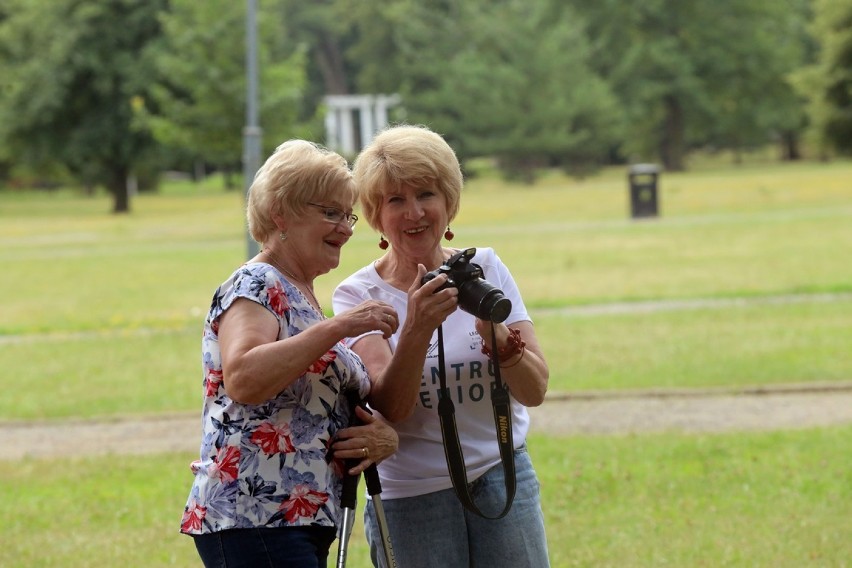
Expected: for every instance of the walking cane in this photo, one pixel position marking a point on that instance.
(374, 488)
(349, 501)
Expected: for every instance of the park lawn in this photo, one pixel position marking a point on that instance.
(734, 347)
(101, 315)
(104, 312)
(780, 499)
(144, 371)
(74, 267)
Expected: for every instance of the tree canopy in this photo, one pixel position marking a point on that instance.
(196, 107)
(105, 90)
(827, 83)
(69, 78)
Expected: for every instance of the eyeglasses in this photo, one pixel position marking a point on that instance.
(335, 215)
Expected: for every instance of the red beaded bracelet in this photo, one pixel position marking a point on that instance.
(514, 345)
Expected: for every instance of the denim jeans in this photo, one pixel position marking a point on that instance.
(435, 530)
(285, 547)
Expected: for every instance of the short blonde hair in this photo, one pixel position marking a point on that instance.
(297, 172)
(406, 155)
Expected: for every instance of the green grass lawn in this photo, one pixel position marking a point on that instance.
(115, 303)
(779, 500)
(101, 315)
(771, 499)
(144, 371)
(72, 266)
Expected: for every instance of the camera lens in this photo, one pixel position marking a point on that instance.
(483, 300)
(497, 306)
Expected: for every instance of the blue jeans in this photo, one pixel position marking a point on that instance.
(435, 530)
(285, 547)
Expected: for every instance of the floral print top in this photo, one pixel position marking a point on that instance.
(265, 465)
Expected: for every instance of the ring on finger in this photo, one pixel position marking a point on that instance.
(365, 451)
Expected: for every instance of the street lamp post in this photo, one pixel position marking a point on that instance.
(252, 133)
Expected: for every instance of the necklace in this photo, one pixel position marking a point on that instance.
(296, 281)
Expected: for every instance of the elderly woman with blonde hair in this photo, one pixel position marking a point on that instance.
(410, 184)
(276, 377)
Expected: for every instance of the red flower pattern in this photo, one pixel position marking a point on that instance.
(272, 439)
(193, 515)
(270, 429)
(303, 502)
(321, 364)
(277, 299)
(212, 382)
(226, 466)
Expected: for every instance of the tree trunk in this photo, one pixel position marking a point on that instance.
(118, 187)
(199, 171)
(790, 146)
(671, 145)
(329, 59)
(228, 178)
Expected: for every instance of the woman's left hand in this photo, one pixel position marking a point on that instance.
(370, 443)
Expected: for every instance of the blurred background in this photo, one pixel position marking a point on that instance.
(113, 94)
(129, 130)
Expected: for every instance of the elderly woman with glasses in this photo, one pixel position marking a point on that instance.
(409, 183)
(277, 377)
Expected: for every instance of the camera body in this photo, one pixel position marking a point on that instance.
(476, 295)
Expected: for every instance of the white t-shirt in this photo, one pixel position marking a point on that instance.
(419, 466)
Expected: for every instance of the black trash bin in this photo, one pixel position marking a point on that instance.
(644, 201)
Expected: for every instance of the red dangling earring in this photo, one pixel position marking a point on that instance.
(449, 235)
(383, 244)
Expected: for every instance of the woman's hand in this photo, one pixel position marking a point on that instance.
(370, 315)
(427, 306)
(372, 442)
(483, 328)
(526, 372)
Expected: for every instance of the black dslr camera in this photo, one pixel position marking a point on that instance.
(476, 295)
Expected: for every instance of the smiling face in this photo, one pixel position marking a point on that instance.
(414, 220)
(406, 156)
(314, 239)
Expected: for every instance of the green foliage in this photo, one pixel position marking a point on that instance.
(507, 79)
(529, 85)
(827, 83)
(693, 73)
(374, 28)
(197, 105)
(70, 75)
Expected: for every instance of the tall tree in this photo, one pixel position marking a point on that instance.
(320, 29)
(197, 105)
(692, 73)
(70, 73)
(504, 78)
(751, 98)
(828, 82)
(371, 53)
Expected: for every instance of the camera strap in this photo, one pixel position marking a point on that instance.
(449, 431)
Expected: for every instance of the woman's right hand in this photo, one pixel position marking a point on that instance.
(428, 307)
(370, 315)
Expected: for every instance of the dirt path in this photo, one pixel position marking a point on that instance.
(687, 411)
(778, 408)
